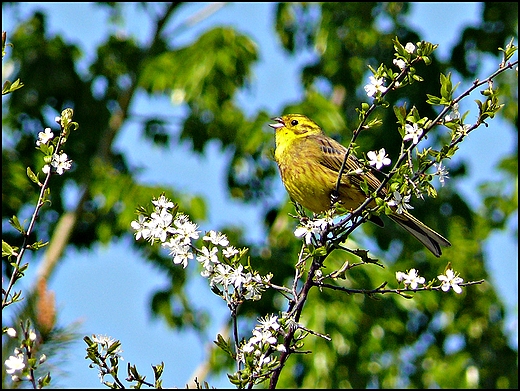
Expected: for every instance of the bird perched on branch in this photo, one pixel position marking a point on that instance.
(309, 164)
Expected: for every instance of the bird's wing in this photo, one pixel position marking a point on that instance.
(333, 156)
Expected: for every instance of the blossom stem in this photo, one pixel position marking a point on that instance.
(26, 235)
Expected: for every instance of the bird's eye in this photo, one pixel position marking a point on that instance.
(294, 122)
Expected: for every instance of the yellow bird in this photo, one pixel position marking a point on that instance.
(309, 164)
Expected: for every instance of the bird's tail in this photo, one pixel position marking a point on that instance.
(427, 236)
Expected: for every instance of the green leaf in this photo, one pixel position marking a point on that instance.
(158, 370)
(509, 51)
(364, 186)
(9, 87)
(399, 48)
(112, 348)
(33, 177)
(224, 345)
(44, 381)
(400, 114)
(16, 224)
(88, 341)
(46, 195)
(319, 252)
(433, 100)
(8, 250)
(446, 87)
(417, 78)
(36, 246)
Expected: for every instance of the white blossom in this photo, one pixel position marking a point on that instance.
(106, 343)
(160, 224)
(237, 278)
(413, 132)
(61, 163)
(454, 114)
(442, 172)
(141, 228)
(401, 202)
(221, 275)
(322, 223)
(401, 64)
(217, 238)
(412, 278)
(307, 232)
(44, 137)
(410, 48)
(179, 250)
(378, 159)
(15, 363)
(263, 336)
(375, 87)
(450, 280)
(254, 286)
(186, 229)
(230, 251)
(269, 322)
(208, 256)
(32, 335)
(163, 202)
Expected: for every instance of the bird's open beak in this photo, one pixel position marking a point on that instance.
(279, 123)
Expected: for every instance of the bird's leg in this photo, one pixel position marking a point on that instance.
(334, 197)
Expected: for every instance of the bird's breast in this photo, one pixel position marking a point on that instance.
(307, 182)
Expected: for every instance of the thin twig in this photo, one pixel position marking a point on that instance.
(380, 289)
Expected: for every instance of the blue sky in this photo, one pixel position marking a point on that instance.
(120, 308)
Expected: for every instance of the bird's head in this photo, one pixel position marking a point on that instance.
(295, 125)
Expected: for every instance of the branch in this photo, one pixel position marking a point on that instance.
(340, 231)
(26, 234)
(381, 289)
(301, 298)
(356, 216)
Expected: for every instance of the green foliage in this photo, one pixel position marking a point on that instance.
(499, 22)
(227, 64)
(386, 341)
(9, 87)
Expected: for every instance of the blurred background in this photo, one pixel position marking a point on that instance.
(176, 98)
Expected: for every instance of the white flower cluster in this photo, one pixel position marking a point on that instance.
(105, 352)
(60, 162)
(448, 280)
(400, 62)
(219, 260)
(411, 278)
(17, 364)
(233, 281)
(256, 353)
(105, 344)
(311, 228)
